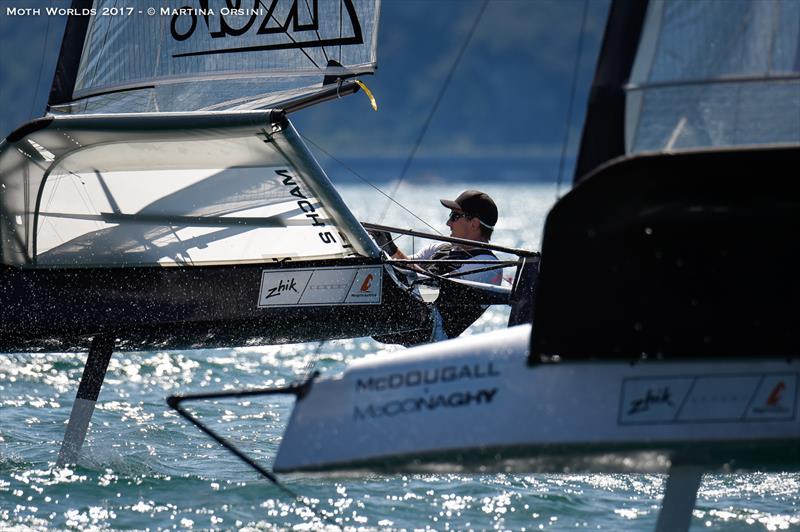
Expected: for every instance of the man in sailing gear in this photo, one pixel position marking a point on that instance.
(473, 215)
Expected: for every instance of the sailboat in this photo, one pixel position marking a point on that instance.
(664, 332)
(166, 201)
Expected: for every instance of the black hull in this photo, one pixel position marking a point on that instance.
(674, 256)
(180, 308)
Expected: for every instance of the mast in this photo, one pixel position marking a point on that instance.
(603, 135)
(69, 59)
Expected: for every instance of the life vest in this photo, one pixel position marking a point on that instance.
(456, 309)
(449, 252)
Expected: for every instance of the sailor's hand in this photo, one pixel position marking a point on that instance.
(384, 241)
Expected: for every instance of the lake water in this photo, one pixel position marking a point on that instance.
(144, 468)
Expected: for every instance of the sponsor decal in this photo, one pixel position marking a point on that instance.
(652, 400)
(304, 205)
(719, 398)
(367, 283)
(653, 397)
(425, 403)
(424, 377)
(366, 287)
(313, 210)
(775, 398)
(282, 286)
(320, 287)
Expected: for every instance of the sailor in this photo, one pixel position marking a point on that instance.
(473, 215)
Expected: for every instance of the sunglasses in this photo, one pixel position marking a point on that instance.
(455, 216)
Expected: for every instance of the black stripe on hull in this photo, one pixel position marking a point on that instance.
(180, 308)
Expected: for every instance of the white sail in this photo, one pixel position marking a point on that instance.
(174, 189)
(715, 73)
(170, 164)
(188, 55)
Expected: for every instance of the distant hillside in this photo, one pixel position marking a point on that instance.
(508, 98)
(509, 93)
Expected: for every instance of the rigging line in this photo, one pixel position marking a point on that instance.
(286, 31)
(174, 402)
(311, 365)
(575, 67)
(316, 30)
(436, 105)
(41, 65)
(428, 275)
(320, 148)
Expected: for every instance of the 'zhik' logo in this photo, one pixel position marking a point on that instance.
(281, 288)
(365, 286)
(651, 398)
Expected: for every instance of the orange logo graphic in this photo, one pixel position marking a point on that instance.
(775, 395)
(368, 281)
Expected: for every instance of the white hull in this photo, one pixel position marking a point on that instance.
(477, 397)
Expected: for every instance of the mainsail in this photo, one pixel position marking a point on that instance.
(26, 73)
(715, 73)
(190, 55)
(681, 74)
(156, 152)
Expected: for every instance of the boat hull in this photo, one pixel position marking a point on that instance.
(60, 309)
(475, 402)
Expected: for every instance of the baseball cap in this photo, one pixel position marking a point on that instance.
(475, 203)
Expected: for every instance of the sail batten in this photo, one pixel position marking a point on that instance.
(630, 87)
(170, 56)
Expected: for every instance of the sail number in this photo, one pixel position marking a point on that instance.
(184, 19)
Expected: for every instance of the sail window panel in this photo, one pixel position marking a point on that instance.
(715, 73)
(201, 55)
(194, 201)
(718, 115)
(174, 217)
(717, 39)
(169, 189)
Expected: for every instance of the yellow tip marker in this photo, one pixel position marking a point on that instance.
(368, 93)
